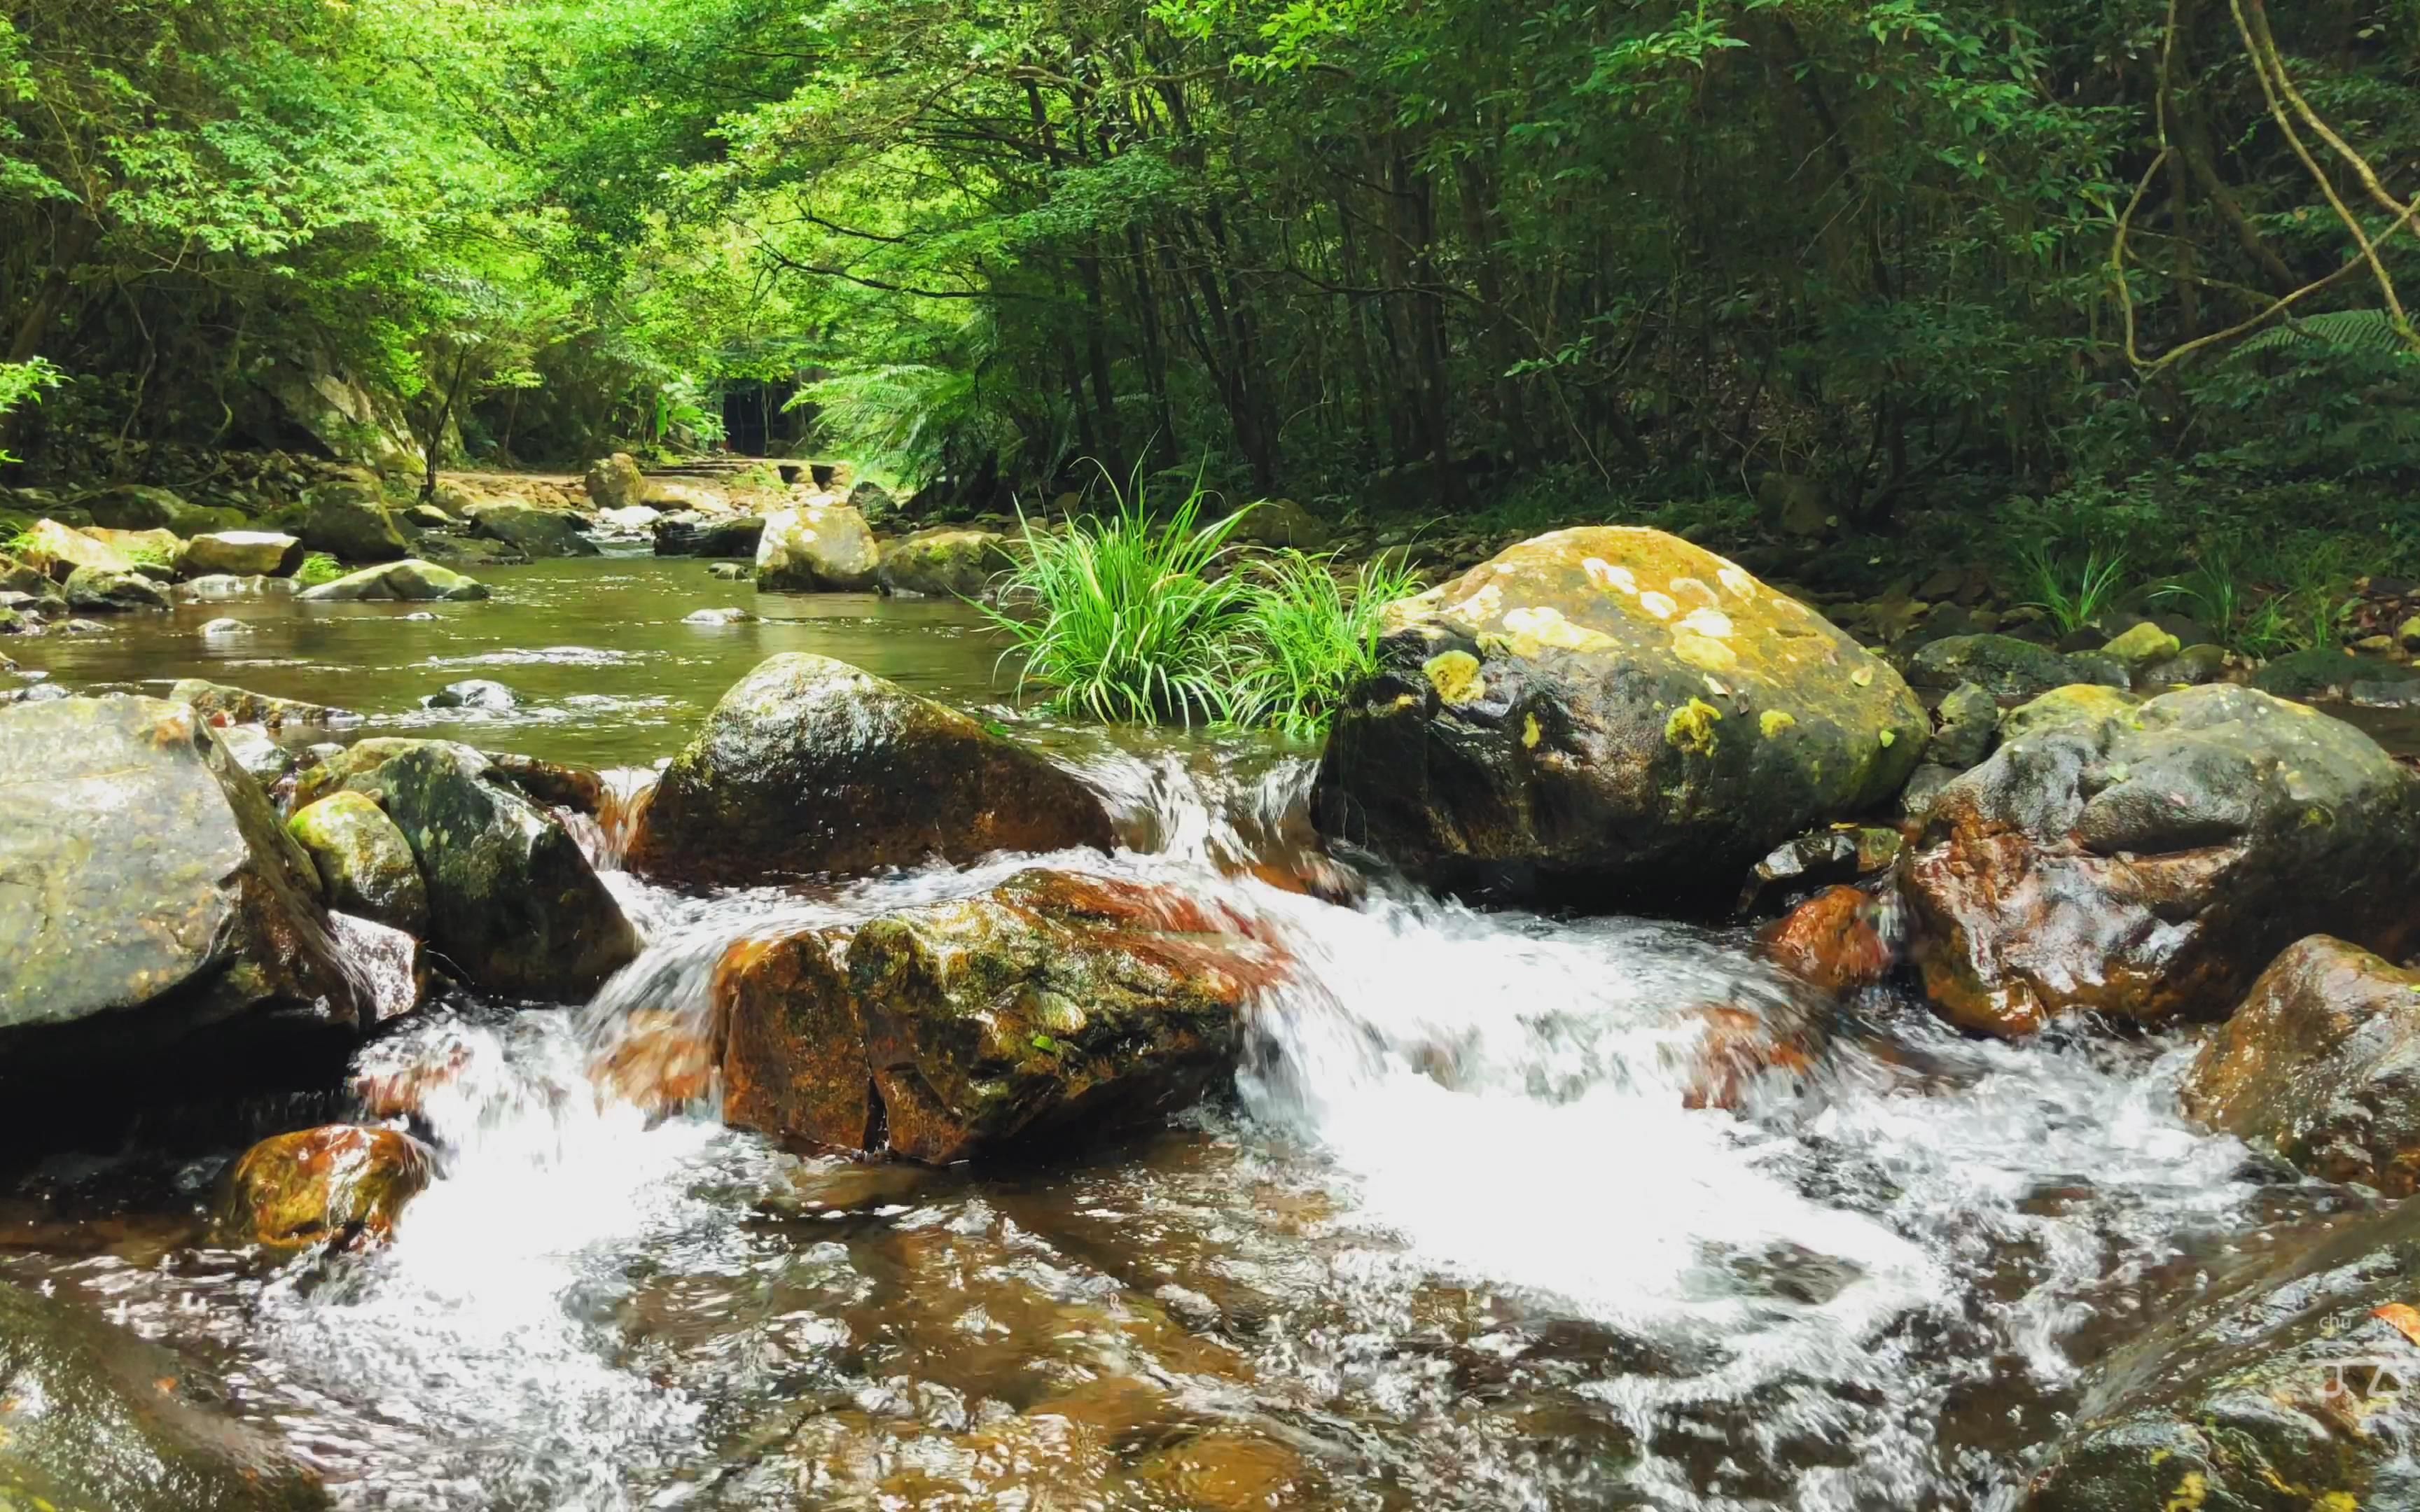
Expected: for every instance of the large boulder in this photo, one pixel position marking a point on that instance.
(537, 533)
(2272, 1390)
(222, 704)
(615, 482)
(512, 900)
(94, 1418)
(412, 581)
(730, 536)
(364, 863)
(349, 522)
(2321, 1066)
(99, 591)
(947, 562)
(58, 550)
(811, 765)
(1052, 1004)
(138, 507)
(1609, 715)
(2147, 862)
(818, 550)
(241, 554)
(149, 898)
(341, 1186)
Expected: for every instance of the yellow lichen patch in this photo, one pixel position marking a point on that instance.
(1773, 721)
(1890, 739)
(1530, 732)
(1659, 604)
(1708, 621)
(1863, 677)
(1694, 592)
(1704, 654)
(1691, 727)
(1548, 628)
(1405, 701)
(1482, 606)
(1454, 674)
(1608, 575)
(1737, 583)
(2191, 1492)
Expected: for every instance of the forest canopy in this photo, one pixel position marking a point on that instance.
(2078, 268)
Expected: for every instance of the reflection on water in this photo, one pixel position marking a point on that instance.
(1459, 1240)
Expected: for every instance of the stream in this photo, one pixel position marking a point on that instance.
(1456, 1240)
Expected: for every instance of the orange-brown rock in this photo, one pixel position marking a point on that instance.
(2320, 1065)
(342, 1185)
(658, 1059)
(1833, 940)
(2147, 862)
(1053, 1002)
(1743, 1046)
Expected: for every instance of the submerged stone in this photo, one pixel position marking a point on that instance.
(341, 1186)
(412, 581)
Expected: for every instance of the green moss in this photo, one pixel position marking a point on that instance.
(318, 567)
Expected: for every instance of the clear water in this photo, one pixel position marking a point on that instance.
(1455, 1241)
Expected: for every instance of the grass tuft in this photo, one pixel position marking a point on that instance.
(1311, 637)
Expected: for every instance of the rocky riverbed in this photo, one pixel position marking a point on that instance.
(549, 1049)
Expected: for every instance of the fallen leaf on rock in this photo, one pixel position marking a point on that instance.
(2404, 1321)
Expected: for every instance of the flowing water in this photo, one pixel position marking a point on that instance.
(1458, 1238)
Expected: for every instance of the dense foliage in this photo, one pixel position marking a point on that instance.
(1935, 269)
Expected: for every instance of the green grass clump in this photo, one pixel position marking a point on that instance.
(318, 567)
(1131, 620)
(2074, 594)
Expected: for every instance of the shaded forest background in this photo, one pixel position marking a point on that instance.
(1885, 279)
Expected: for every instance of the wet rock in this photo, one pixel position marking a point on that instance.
(222, 588)
(140, 507)
(717, 616)
(2322, 1066)
(659, 1060)
(637, 522)
(1610, 715)
(94, 1418)
(56, 551)
(1837, 940)
(365, 866)
(537, 533)
(222, 628)
(512, 901)
(2144, 646)
(150, 899)
(254, 750)
(943, 563)
(873, 501)
(811, 765)
(342, 1186)
(146, 552)
(1969, 721)
(473, 693)
(2190, 667)
(728, 571)
(1845, 852)
(615, 482)
(2077, 706)
(348, 521)
(692, 498)
(221, 705)
(430, 517)
(580, 789)
(1281, 522)
(241, 554)
(412, 581)
(1744, 1047)
(736, 536)
(2240, 1400)
(1053, 1005)
(2006, 667)
(1226, 1470)
(2324, 674)
(99, 591)
(2146, 864)
(822, 549)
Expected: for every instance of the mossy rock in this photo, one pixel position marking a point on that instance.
(365, 865)
(820, 548)
(945, 562)
(2078, 705)
(342, 1185)
(2325, 674)
(1613, 716)
(2010, 669)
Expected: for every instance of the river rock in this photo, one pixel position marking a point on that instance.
(222, 588)
(614, 481)
(694, 497)
(140, 507)
(2322, 1066)
(1969, 721)
(2143, 647)
(735, 535)
(2077, 706)
(512, 901)
(872, 500)
(818, 550)
(717, 616)
(94, 1418)
(1281, 522)
(1609, 715)
(473, 693)
(536, 532)
(2238, 1401)
(811, 765)
(261, 757)
(241, 554)
(2009, 669)
(149, 898)
(221, 705)
(1836, 940)
(729, 571)
(633, 521)
(57, 551)
(348, 521)
(146, 552)
(1842, 852)
(99, 591)
(412, 581)
(1053, 1004)
(2329, 673)
(365, 865)
(2147, 863)
(342, 1186)
(948, 562)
